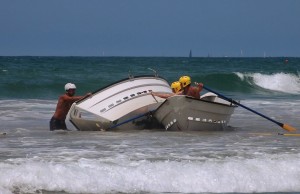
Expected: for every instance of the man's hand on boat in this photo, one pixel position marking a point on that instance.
(200, 85)
(162, 95)
(87, 95)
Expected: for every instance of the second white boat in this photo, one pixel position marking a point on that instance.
(184, 113)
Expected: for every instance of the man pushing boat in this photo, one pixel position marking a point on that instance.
(63, 105)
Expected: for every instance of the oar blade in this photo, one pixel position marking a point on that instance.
(290, 134)
(288, 128)
(284, 126)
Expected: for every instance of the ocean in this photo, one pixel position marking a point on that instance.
(253, 156)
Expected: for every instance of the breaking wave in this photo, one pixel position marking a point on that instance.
(275, 174)
(278, 82)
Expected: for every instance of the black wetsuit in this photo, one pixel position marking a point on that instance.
(56, 124)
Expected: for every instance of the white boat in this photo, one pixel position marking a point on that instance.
(121, 105)
(184, 113)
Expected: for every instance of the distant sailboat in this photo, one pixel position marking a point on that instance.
(190, 55)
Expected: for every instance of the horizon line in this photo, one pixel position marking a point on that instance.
(155, 56)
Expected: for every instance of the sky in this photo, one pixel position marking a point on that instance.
(218, 28)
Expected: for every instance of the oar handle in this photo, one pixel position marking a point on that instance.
(239, 104)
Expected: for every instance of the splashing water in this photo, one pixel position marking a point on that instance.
(279, 82)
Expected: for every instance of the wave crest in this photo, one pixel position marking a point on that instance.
(279, 82)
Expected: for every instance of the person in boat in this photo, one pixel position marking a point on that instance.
(176, 89)
(188, 90)
(63, 105)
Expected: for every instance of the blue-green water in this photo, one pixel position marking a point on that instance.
(44, 77)
(251, 157)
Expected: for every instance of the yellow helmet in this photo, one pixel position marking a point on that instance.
(176, 86)
(185, 80)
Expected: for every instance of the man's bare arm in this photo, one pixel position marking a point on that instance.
(75, 98)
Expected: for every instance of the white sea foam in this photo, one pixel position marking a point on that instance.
(25, 112)
(266, 174)
(280, 82)
(14, 109)
(240, 75)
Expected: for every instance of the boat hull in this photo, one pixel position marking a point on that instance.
(183, 113)
(126, 104)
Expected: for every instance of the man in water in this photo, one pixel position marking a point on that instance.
(63, 105)
(189, 90)
(176, 89)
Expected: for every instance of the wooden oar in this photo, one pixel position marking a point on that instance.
(272, 134)
(289, 134)
(283, 125)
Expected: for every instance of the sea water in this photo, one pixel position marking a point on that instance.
(249, 157)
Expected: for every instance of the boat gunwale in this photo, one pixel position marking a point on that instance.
(192, 98)
(231, 105)
(120, 81)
